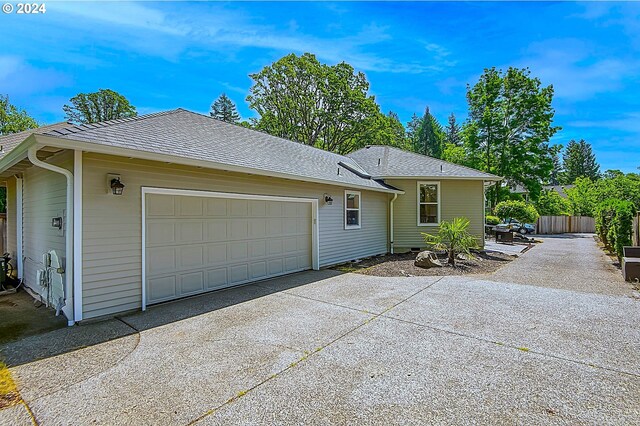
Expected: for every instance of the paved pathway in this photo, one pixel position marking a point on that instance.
(570, 262)
(329, 348)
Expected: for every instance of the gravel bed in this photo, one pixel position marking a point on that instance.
(399, 265)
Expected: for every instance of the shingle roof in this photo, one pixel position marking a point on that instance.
(384, 162)
(8, 142)
(185, 134)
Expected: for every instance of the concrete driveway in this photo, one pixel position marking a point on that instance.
(323, 347)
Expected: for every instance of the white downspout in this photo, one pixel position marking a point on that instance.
(19, 250)
(68, 290)
(391, 219)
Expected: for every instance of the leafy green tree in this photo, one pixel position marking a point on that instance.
(329, 107)
(579, 161)
(512, 116)
(453, 131)
(518, 210)
(13, 119)
(582, 197)
(103, 105)
(224, 109)
(453, 237)
(550, 203)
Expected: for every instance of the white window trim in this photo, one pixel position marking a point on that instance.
(359, 209)
(418, 184)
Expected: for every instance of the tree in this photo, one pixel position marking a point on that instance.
(582, 198)
(550, 203)
(103, 105)
(453, 237)
(557, 173)
(12, 119)
(512, 117)
(579, 161)
(453, 131)
(224, 109)
(518, 210)
(430, 136)
(327, 106)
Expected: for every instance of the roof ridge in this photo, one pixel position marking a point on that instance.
(440, 160)
(76, 128)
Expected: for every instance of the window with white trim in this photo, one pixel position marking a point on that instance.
(352, 209)
(428, 203)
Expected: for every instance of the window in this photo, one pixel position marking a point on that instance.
(428, 203)
(351, 209)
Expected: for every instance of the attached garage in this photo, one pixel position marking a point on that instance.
(198, 241)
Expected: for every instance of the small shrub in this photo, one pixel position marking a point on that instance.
(452, 237)
(518, 210)
(492, 220)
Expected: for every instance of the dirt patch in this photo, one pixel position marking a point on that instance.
(401, 265)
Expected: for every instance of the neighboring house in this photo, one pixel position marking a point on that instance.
(560, 189)
(208, 205)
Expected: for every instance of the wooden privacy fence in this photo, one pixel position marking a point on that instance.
(636, 230)
(565, 224)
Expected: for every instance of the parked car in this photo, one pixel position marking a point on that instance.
(521, 228)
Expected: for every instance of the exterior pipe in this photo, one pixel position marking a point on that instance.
(68, 270)
(391, 220)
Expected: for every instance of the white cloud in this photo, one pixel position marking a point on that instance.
(19, 78)
(628, 122)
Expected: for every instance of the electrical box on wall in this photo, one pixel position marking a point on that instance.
(59, 222)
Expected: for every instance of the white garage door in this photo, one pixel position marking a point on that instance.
(195, 244)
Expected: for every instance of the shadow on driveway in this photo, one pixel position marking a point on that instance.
(91, 333)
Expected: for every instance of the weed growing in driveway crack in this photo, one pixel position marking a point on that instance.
(523, 349)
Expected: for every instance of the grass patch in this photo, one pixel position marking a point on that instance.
(9, 394)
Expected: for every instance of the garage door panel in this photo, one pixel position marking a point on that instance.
(161, 260)
(192, 283)
(217, 253)
(160, 233)
(197, 244)
(191, 257)
(275, 266)
(163, 288)
(258, 270)
(217, 230)
(217, 278)
(189, 231)
(238, 274)
(216, 207)
(190, 206)
(238, 208)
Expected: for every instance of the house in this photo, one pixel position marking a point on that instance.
(157, 207)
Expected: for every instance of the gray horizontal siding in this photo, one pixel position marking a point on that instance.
(112, 225)
(44, 197)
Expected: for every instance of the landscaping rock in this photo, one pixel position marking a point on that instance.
(427, 259)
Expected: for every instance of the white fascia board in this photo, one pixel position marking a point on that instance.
(166, 158)
(17, 154)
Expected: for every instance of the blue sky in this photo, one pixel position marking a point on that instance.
(181, 54)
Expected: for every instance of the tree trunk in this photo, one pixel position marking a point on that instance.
(452, 258)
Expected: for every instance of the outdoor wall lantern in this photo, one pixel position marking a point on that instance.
(327, 199)
(114, 184)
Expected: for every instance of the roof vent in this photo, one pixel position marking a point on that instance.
(440, 168)
(379, 161)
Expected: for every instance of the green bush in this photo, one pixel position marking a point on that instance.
(492, 220)
(614, 223)
(550, 203)
(518, 210)
(452, 237)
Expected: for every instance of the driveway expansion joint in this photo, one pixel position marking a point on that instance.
(308, 354)
(510, 346)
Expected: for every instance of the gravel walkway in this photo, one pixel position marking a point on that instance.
(570, 262)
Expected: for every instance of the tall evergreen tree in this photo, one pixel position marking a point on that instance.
(453, 131)
(579, 161)
(430, 136)
(557, 173)
(224, 109)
